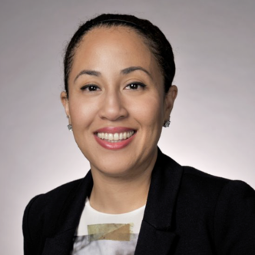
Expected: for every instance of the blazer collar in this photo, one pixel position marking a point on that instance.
(165, 183)
(157, 234)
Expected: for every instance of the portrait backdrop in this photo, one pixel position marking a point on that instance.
(212, 123)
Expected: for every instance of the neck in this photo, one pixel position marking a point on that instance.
(117, 195)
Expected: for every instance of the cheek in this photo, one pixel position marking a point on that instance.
(149, 112)
(82, 113)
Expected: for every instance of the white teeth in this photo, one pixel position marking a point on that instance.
(116, 137)
(110, 137)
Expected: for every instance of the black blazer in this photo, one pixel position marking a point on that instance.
(188, 212)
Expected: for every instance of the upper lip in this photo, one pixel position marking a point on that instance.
(114, 130)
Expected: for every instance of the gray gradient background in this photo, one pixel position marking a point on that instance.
(213, 121)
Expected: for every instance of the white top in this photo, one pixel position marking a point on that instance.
(101, 233)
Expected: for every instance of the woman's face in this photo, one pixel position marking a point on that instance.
(116, 102)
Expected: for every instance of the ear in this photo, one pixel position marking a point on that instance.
(169, 101)
(65, 103)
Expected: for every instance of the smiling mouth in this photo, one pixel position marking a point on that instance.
(115, 137)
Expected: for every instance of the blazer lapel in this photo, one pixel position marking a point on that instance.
(157, 234)
(154, 241)
(62, 241)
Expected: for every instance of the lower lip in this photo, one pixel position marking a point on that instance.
(115, 145)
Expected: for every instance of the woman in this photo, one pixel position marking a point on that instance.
(135, 200)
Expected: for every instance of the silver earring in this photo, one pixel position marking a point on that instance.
(69, 126)
(167, 123)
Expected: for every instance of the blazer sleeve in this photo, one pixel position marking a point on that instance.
(234, 221)
(32, 227)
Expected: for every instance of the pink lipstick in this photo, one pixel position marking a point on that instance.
(114, 138)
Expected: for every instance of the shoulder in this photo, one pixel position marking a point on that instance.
(200, 192)
(191, 181)
(234, 219)
(200, 181)
(213, 190)
(226, 207)
(46, 207)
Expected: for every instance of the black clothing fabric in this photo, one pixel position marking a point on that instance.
(188, 212)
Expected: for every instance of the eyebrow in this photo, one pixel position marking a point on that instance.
(88, 72)
(135, 68)
(127, 70)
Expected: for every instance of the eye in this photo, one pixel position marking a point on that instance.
(90, 87)
(135, 86)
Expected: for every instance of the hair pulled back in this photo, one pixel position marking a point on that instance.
(156, 40)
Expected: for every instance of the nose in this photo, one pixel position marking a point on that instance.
(112, 107)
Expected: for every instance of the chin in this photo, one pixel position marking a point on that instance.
(116, 170)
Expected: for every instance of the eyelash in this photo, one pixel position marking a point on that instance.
(90, 87)
(137, 84)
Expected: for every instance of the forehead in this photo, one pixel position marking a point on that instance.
(115, 40)
(113, 48)
(110, 33)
